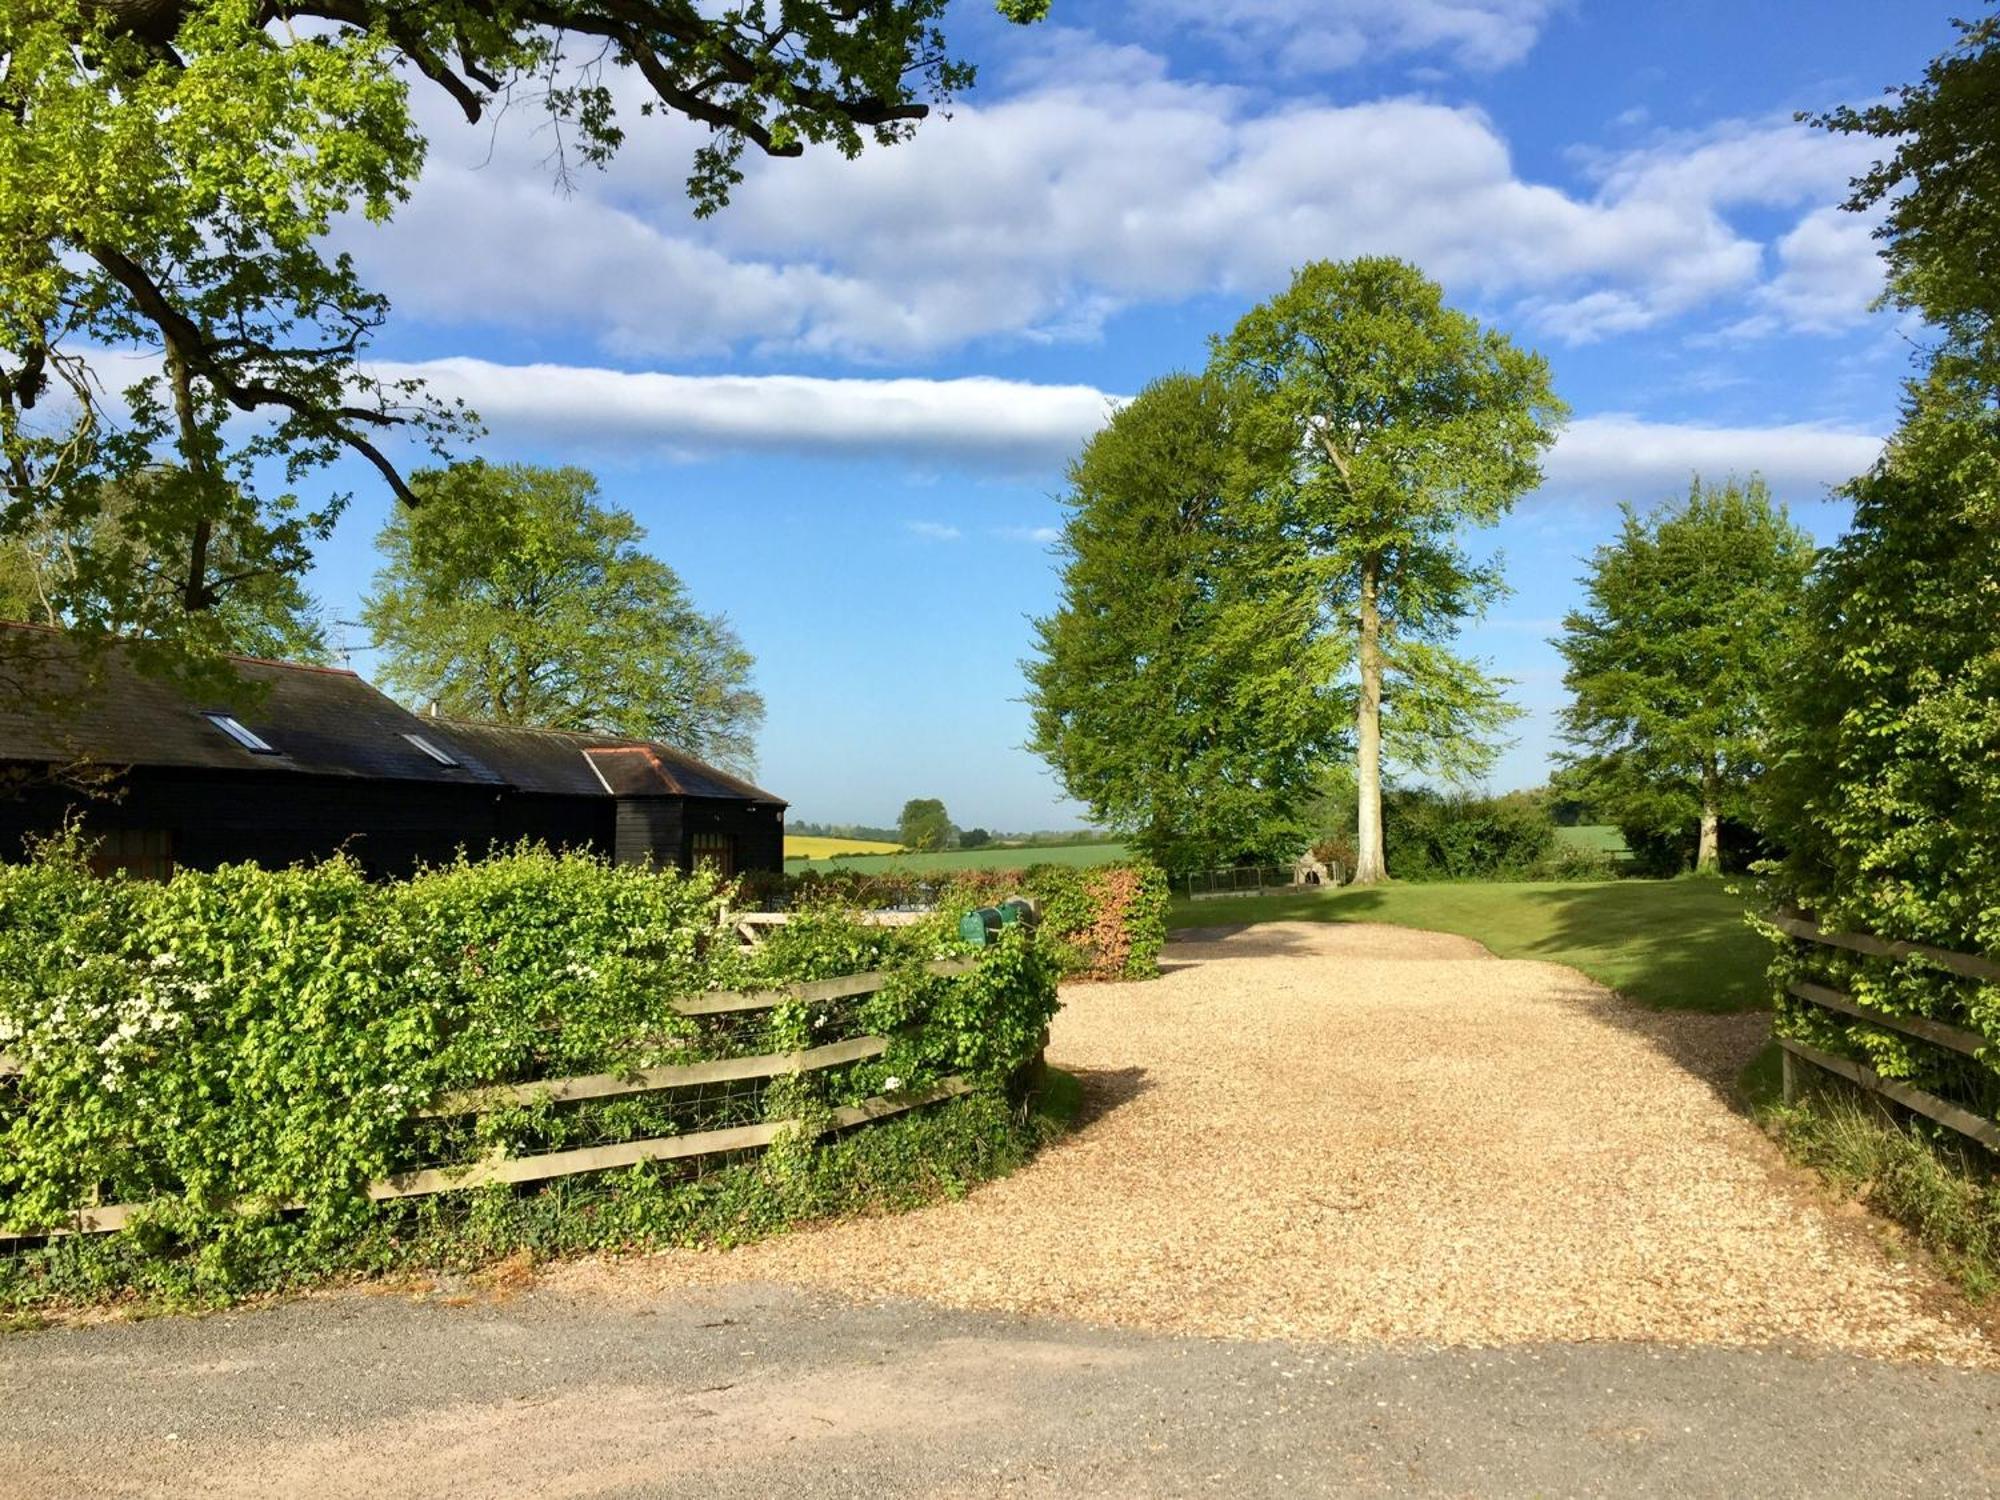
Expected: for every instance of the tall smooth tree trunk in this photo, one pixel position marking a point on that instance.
(1708, 853)
(1370, 863)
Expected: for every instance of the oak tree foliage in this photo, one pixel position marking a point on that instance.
(1689, 619)
(1885, 789)
(1409, 423)
(170, 170)
(924, 825)
(1183, 689)
(511, 595)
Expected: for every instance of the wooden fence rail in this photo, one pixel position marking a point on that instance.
(491, 1170)
(1938, 1033)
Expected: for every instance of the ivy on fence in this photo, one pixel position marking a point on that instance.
(243, 1052)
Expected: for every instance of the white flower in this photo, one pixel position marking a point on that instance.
(891, 1084)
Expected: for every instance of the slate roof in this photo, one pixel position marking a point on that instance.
(579, 764)
(321, 721)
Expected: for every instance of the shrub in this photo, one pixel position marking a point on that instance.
(1886, 796)
(242, 1052)
(1439, 836)
(1103, 921)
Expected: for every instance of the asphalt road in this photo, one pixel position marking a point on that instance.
(758, 1390)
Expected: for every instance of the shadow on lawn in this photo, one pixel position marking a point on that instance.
(1670, 944)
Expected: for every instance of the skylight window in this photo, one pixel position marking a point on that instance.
(431, 750)
(249, 739)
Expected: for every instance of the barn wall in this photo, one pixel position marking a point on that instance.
(560, 822)
(277, 819)
(756, 829)
(651, 831)
(230, 817)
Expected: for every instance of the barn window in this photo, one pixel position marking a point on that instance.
(249, 739)
(431, 750)
(717, 850)
(142, 853)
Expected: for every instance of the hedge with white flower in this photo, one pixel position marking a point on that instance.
(245, 1050)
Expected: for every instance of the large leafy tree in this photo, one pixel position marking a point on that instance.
(1184, 689)
(1689, 618)
(169, 170)
(1939, 189)
(1885, 792)
(1408, 423)
(924, 825)
(511, 595)
(112, 572)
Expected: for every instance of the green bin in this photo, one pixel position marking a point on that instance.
(1018, 911)
(980, 927)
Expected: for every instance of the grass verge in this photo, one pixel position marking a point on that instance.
(1945, 1195)
(1674, 944)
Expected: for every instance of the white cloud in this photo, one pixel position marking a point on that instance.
(933, 531)
(1103, 185)
(1040, 535)
(979, 422)
(1019, 428)
(1829, 273)
(1323, 36)
(1627, 458)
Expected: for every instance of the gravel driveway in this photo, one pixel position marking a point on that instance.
(1350, 1152)
(1365, 1132)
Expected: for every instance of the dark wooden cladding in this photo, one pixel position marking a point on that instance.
(313, 761)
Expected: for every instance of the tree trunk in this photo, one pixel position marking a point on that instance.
(1370, 864)
(1708, 853)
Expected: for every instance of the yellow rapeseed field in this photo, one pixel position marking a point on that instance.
(801, 847)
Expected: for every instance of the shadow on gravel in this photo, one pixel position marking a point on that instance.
(1240, 940)
(1105, 1090)
(1713, 1048)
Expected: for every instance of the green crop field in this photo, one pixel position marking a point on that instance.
(966, 859)
(1678, 944)
(1600, 838)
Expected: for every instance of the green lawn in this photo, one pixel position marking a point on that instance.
(1678, 944)
(966, 859)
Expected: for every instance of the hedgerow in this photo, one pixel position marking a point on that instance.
(1885, 792)
(1104, 921)
(242, 1052)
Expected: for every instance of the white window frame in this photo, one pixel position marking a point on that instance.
(431, 750)
(235, 728)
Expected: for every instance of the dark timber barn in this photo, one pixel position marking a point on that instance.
(302, 761)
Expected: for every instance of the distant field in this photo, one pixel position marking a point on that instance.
(1601, 838)
(962, 859)
(807, 846)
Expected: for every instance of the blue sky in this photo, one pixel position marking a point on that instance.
(842, 407)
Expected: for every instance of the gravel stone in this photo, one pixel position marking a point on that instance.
(1362, 1133)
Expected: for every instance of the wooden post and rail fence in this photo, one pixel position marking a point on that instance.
(1952, 1038)
(106, 1218)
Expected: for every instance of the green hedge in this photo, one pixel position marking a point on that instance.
(1466, 836)
(225, 1044)
(1884, 789)
(1103, 921)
